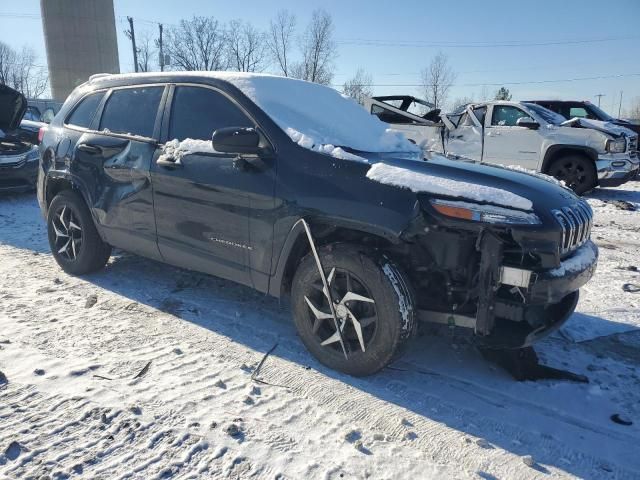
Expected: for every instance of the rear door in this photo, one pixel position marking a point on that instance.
(506, 143)
(112, 158)
(208, 203)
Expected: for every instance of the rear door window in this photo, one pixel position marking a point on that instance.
(132, 111)
(83, 114)
(197, 112)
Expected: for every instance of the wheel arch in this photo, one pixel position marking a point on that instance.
(557, 151)
(296, 246)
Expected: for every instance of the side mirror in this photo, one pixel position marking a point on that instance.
(527, 122)
(236, 140)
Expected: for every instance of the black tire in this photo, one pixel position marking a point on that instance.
(372, 276)
(577, 171)
(74, 240)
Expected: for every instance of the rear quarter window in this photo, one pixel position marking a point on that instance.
(83, 113)
(132, 111)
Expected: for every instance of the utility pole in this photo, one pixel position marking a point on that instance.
(620, 104)
(600, 95)
(160, 47)
(132, 36)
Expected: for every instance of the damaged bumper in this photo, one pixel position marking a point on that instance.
(547, 300)
(18, 173)
(615, 172)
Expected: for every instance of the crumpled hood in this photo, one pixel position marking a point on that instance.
(13, 106)
(440, 177)
(604, 127)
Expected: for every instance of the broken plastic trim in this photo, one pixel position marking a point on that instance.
(325, 284)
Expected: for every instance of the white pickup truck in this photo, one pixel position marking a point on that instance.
(583, 153)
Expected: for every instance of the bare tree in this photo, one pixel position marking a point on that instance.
(437, 79)
(146, 52)
(281, 31)
(318, 50)
(358, 87)
(7, 62)
(20, 71)
(633, 112)
(247, 47)
(484, 94)
(460, 101)
(197, 44)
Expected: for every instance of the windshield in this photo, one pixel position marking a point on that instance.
(598, 113)
(547, 115)
(318, 117)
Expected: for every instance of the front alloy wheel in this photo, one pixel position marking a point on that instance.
(373, 302)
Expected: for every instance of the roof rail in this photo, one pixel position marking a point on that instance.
(96, 76)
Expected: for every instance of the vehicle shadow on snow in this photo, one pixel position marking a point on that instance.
(437, 380)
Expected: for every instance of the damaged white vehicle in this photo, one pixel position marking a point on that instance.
(582, 153)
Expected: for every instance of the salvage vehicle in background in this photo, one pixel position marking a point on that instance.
(584, 109)
(289, 188)
(528, 136)
(18, 144)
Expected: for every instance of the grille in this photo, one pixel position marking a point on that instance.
(576, 222)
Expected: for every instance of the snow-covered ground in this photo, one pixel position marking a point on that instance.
(145, 371)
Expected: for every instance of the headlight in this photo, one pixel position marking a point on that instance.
(484, 213)
(616, 146)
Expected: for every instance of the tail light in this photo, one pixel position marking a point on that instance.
(41, 133)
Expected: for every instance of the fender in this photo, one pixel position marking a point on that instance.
(553, 149)
(297, 234)
(77, 184)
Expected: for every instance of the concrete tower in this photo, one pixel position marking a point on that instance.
(80, 37)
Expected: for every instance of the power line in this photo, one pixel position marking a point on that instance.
(423, 43)
(532, 82)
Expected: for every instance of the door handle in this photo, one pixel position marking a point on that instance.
(168, 162)
(92, 149)
(493, 134)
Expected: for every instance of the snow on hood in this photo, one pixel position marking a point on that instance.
(312, 115)
(605, 127)
(420, 182)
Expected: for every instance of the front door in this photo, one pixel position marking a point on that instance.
(464, 138)
(506, 143)
(202, 198)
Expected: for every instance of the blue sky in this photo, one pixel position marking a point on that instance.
(460, 25)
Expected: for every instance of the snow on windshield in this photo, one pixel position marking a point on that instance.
(418, 181)
(547, 115)
(318, 117)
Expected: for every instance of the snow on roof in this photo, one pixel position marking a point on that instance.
(314, 116)
(418, 181)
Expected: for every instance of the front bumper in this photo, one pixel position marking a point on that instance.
(548, 298)
(18, 174)
(613, 172)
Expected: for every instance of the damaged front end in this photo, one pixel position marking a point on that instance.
(509, 283)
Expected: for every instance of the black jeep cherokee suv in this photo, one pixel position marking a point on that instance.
(221, 173)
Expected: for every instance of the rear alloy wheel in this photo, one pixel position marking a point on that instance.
(576, 171)
(73, 238)
(373, 305)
